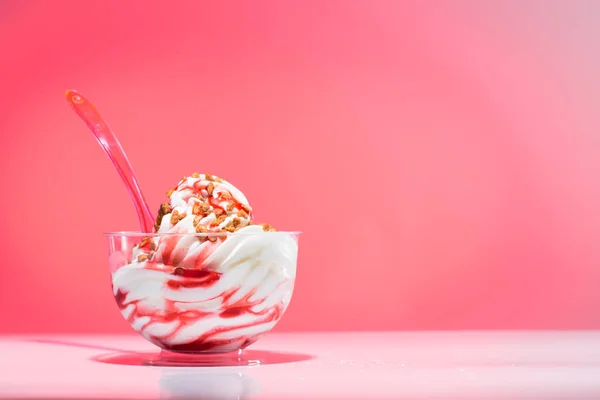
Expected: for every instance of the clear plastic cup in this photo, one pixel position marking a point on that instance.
(203, 293)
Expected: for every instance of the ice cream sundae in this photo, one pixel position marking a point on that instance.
(208, 279)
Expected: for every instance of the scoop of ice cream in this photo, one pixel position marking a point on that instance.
(203, 203)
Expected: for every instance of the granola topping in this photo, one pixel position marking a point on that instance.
(165, 208)
(268, 228)
(148, 243)
(215, 204)
(229, 228)
(201, 228)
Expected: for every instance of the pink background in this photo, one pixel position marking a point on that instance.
(442, 157)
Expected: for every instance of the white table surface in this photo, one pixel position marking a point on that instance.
(414, 365)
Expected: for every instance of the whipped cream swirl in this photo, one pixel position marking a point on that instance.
(194, 295)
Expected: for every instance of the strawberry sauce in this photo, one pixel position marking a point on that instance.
(199, 279)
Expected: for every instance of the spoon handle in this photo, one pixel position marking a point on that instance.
(109, 142)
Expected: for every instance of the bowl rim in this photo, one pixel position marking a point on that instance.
(158, 234)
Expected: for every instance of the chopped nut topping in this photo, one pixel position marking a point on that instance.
(176, 217)
(218, 211)
(147, 241)
(219, 220)
(200, 209)
(225, 195)
(229, 206)
(170, 192)
(268, 228)
(210, 188)
(212, 238)
(236, 222)
(230, 227)
(201, 229)
(165, 208)
(142, 257)
(242, 214)
(209, 177)
(195, 175)
(196, 209)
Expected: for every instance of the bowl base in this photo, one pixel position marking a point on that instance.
(232, 359)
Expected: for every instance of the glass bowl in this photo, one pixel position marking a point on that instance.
(202, 293)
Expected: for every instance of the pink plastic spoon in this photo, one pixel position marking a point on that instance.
(109, 142)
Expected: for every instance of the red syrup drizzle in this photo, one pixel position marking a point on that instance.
(207, 342)
(198, 186)
(199, 279)
(170, 243)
